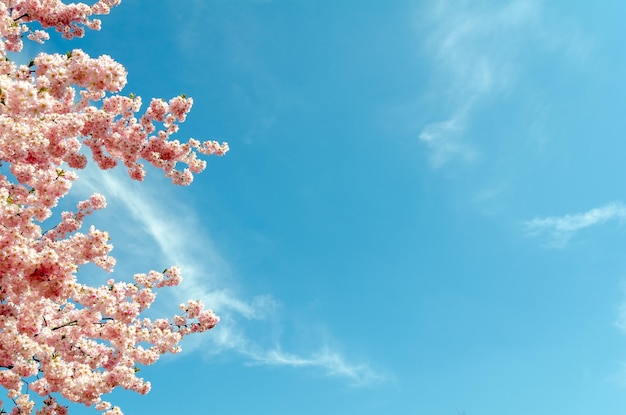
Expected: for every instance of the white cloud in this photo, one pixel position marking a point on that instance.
(332, 362)
(474, 50)
(559, 229)
(477, 47)
(445, 141)
(206, 277)
(480, 51)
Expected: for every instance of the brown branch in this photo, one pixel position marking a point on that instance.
(71, 323)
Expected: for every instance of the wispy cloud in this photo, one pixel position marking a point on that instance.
(560, 229)
(445, 141)
(474, 52)
(332, 362)
(479, 51)
(206, 277)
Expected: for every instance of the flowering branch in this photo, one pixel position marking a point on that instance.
(51, 109)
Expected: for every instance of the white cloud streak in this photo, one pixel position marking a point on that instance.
(203, 270)
(560, 229)
(479, 51)
(332, 362)
(473, 49)
(445, 141)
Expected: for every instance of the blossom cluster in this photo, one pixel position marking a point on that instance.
(58, 336)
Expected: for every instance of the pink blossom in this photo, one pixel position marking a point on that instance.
(81, 341)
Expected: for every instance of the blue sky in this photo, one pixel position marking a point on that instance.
(421, 212)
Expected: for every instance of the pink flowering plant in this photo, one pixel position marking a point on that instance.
(58, 336)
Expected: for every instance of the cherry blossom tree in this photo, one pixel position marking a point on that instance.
(60, 337)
